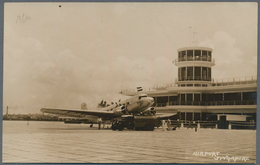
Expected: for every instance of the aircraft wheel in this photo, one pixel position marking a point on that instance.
(91, 125)
(114, 127)
(130, 126)
(137, 128)
(120, 127)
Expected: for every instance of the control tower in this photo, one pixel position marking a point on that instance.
(194, 66)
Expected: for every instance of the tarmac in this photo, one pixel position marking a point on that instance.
(56, 142)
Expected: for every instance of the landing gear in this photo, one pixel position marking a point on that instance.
(99, 122)
(118, 125)
(114, 127)
(91, 125)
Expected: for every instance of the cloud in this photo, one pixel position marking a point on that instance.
(230, 60)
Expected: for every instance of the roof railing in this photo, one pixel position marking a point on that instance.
(213, 82)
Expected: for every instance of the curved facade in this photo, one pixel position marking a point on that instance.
(196, 96)
(194, 66)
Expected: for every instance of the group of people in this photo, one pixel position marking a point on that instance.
(166, 125)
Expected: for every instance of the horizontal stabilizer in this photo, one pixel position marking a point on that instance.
(165, 115)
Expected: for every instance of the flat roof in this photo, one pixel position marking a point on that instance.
(195, 48)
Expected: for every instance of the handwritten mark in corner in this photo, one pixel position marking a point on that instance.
(22, 19)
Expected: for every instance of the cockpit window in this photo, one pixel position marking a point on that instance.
(142, 96)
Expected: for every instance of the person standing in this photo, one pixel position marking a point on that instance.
(163, 125)
(169, 124)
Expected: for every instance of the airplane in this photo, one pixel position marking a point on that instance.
(131, 106)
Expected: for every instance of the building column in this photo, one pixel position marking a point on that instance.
(193, 75)
(192, 116)
(185, 117)
(200, 116)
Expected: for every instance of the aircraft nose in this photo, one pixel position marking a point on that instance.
(151, 100)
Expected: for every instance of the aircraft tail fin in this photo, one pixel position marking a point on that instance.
(84, 106)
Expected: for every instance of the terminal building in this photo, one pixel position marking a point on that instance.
(196, 96)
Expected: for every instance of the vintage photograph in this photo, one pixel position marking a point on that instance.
(130, 82)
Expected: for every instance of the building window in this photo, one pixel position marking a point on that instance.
(182, 97)
(189, 116)
(215, 97)
(197, 73)
(218, 97)
(209, 74)
(197, 85)
(204, 116)
(189, 97)
(183, 55)
(249, 95)
(179, 74)
(196, 116)
(204, 55)
(190, 73)
(173, 98)
(189, 85)
(182, 116)
(204, 97)
(204, 73)
(198, 55)
(183, 73)
(189, 55)
(232, 96)
(163, 99)
(196, 97)
(209, 56)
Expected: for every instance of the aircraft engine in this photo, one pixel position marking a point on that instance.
(124, 110)
(149, 111)
(152, 110)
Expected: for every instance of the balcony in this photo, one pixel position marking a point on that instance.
(195, 78)
(195, 59)
(207, 103)
(210, 81)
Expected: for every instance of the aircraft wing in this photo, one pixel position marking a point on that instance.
(165, 115)
(79, 113)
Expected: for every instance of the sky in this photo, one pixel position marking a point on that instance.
(62, 54)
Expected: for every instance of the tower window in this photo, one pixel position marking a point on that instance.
(190, 73)
(197, 73)
(189, 55)
(204, 55)
(197, 54)
(204, 73)
(209, 74)
(183, 55)
(209, 56)
(183, 73)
